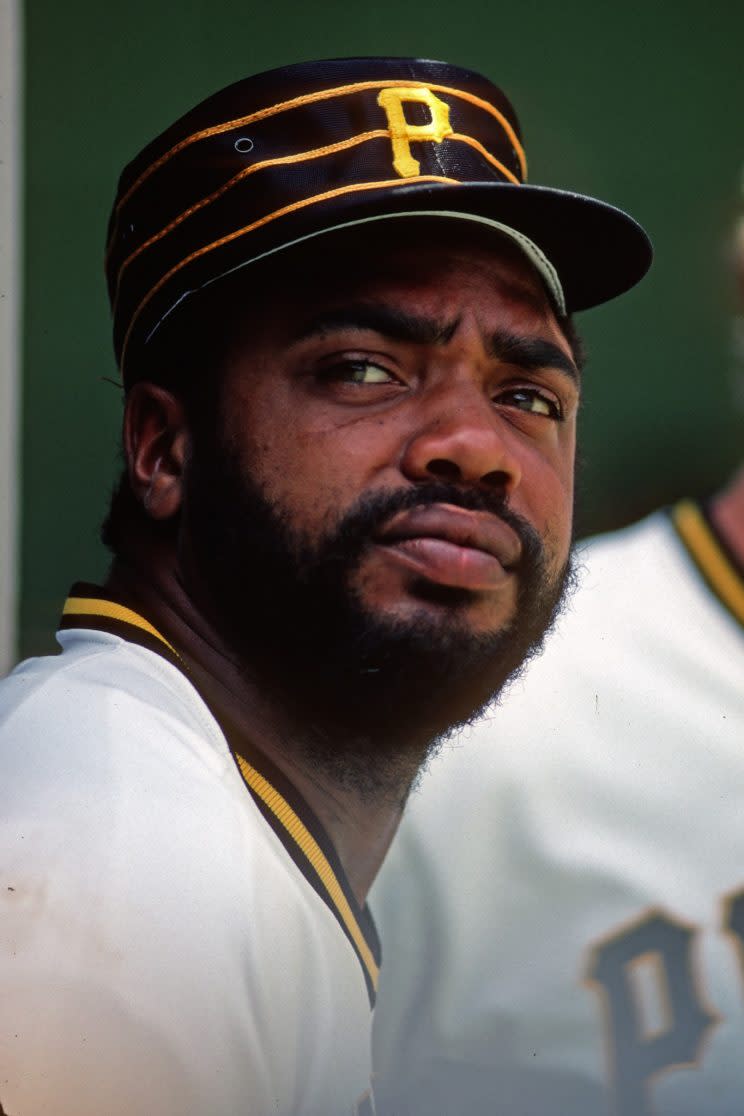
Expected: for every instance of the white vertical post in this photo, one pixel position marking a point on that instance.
(10, 319)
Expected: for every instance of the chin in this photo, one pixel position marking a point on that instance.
(430, 603)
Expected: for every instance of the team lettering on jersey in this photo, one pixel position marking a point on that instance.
(654, 1010)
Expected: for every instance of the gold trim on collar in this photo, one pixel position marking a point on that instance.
(95, 606)
(315, 855)
(296, 831)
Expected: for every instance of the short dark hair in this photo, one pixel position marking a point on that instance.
(186, 356)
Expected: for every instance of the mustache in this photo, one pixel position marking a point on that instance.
(363, 521)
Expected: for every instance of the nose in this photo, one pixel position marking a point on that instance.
(462, 440)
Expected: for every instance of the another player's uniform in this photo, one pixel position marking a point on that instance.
(563, 911)
(176, 933)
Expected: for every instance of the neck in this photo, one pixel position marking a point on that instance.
(361, 827)
(727, 511)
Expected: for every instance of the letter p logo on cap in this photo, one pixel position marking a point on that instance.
(402, 133)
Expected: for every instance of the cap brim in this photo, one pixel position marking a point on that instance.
(598, 251)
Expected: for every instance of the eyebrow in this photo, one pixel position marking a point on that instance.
(531, 353)
(528, 353)
(388, 321)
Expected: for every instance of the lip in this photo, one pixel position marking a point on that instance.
(452, 546)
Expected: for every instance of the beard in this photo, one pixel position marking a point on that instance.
(365, 697)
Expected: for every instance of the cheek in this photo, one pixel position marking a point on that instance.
(292, 474)
(546, 494)
(313, 469)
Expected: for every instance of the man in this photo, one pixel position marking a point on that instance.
(344, 523)
(578, 945)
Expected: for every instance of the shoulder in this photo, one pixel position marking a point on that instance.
(97, 671)
(118, 785)
(629, 568)
(611, 554)
(666, 579)
(109, 757)
(102, 704)
(138, 871)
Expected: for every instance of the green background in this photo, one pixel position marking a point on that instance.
(640, 104)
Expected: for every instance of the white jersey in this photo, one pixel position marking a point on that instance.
(176, 934)
(563, 910)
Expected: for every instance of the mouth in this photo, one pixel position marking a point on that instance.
(452, 546)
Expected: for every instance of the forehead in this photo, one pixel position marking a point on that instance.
(422, 261)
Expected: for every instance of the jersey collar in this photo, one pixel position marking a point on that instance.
(283, 807)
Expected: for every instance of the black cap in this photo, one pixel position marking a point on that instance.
(292, 153)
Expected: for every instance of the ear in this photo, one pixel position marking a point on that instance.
(156, 444)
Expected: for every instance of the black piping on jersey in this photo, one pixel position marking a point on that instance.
(282, 806)
(714, 560)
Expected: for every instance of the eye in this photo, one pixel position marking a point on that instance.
(358, 372)
(533, 401)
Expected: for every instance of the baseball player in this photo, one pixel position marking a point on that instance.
(351, 384)
(577, 945)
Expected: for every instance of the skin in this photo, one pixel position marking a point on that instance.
(379, 374)
(727, 511)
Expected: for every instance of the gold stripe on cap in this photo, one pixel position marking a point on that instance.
(315, 153)
(338, 192)
(315, 855)
(285, 160)
(702, 544)
(95, 606)
(323, 95)
(486, 155)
